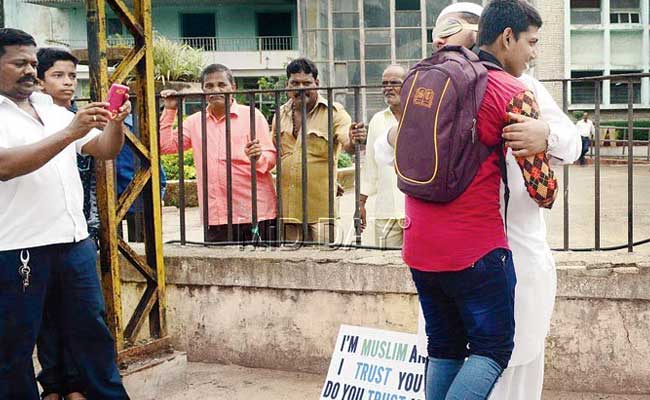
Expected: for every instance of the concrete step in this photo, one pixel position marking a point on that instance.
(155, 377)
(231, 382)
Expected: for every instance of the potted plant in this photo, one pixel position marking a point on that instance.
(177, 65)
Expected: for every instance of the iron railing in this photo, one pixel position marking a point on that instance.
(251, 98)
(225, 44)
(218, 44)
(631, 80)
(276, 95)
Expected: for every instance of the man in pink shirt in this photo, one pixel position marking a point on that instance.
(217, 78)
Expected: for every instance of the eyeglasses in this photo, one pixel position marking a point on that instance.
(391, 83)
(450, 27)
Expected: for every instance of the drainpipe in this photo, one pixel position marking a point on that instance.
(2, 14)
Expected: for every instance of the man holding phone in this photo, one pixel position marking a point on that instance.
(43, 232)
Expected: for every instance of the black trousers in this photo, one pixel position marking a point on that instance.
(267, 232)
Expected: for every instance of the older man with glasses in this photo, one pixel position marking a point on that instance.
(378, 179)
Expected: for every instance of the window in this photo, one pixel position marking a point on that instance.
(343, 5)
(346, 44)
(376, 13)
(408, 43)
(584, 92)
(618, 89)
(624, 17)
(407, 5)
(407, 13)
(624, 12)
(624, 4)
(586, 49)
(585, 12)
(199, 30)
(377, 45)
(114, 26)
(625, 48)
(345, 19)
(275, 31)
(433, 10)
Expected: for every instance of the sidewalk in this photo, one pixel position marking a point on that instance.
(231, 382)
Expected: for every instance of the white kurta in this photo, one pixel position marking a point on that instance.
(533, 261)
(379, 179)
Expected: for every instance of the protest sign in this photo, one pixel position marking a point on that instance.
(374, 364)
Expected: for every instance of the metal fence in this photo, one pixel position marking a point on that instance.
(619, 147)
(251, 97)
(276, 95)
(630, 80)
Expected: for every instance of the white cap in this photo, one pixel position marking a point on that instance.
(463, 7)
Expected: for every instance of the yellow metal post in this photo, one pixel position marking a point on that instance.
(109, 258)
(145, 183)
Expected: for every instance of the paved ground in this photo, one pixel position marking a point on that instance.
(211, 381)
(581, 210)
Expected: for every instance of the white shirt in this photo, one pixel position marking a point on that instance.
(585, 129)
(46, 206)
(532, 258)
(378, 178)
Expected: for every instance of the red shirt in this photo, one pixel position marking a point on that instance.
(452, 236)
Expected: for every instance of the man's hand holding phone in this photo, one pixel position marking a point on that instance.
(118, 102)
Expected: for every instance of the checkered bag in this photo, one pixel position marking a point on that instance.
(538, 175)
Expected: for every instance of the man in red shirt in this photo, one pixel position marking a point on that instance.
(457, 251)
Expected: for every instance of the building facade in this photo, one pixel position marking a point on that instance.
(352, 41)
(607, 37)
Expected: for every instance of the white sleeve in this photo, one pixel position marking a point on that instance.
(384, 152)
(369, 173)
(564, 143)
(79, 144)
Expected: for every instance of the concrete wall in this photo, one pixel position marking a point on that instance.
(41, 22)
(282, 310)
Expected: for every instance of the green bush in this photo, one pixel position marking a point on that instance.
(345, 160)
(170, 165)
(639, 134)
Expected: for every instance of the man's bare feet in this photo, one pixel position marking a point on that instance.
(75, 396)
(52, 396)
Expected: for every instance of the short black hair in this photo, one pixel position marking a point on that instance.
(302, 65)
(498, 15)
(47, 56)
(14, 37)
(212, 68)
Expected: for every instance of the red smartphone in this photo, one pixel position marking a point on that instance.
(117, 95)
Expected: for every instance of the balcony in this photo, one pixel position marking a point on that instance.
(260, 43)
(252, 55)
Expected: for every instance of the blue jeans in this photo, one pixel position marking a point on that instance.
(470, 312)
(585, 149)
(58, 372)
(78, 316)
